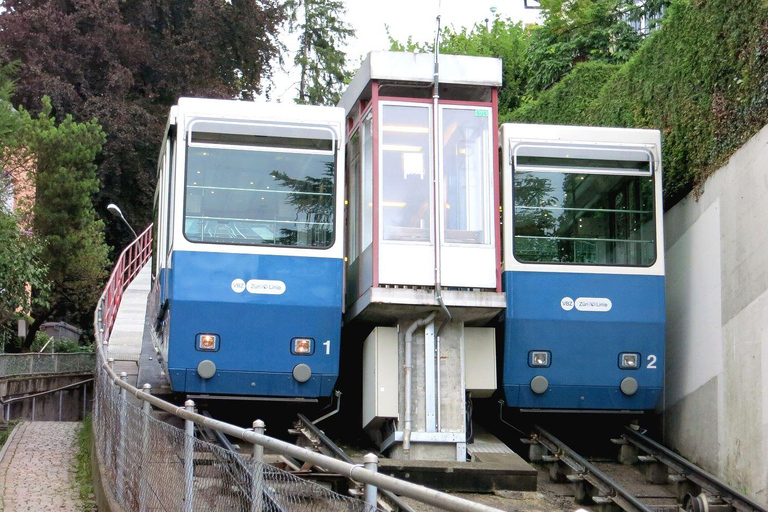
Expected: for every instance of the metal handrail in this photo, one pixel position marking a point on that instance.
(128, 265)
(137, 254)
(5, 401)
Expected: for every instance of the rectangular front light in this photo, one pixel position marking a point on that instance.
(302, 346)
(208, 342)
(629, 361)
(539, 358)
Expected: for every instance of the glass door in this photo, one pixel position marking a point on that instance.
(408, 227)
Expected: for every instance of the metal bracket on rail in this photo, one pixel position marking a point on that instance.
(336, 394)
(323, 444)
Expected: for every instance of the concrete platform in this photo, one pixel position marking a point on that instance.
(509, 472)
(130, 343)
(383, 306)
(494, 467)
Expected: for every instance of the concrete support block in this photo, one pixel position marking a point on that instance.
(628, 454)
(558, 472)
(658, 473)
(536, 452)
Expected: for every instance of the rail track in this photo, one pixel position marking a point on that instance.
(669, 483)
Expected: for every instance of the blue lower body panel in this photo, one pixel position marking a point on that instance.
(233, 383)
(284, 298)
(584, 322)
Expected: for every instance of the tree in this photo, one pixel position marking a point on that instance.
(61, 157)
(322, 32)
(20, 271)
(504, 39)
(20, 267)
(575, 31)
(126, 62)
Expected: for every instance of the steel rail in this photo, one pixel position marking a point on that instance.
(692, 472)
(104, 316)
(586, 470)
(339, 453)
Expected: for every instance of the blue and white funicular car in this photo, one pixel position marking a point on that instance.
(248, 255)
(583, 267)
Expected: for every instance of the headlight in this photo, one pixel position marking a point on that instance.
(302, 346)
(208, 342)
(539, 358)
(629, 360)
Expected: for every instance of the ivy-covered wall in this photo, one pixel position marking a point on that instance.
(702, 79)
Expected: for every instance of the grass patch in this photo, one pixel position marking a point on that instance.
(83, 474)
(6, 429)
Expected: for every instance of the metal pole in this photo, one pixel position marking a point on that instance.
(189, 449)
(121, 439)
(371, 463)
(143, 491)
(257, 495)
(33, 408)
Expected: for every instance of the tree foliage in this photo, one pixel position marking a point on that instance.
(322, 31)
(576, 31)
(61, 157)
(125, 62)
(21, 269)
(502, 39)
(702, 79)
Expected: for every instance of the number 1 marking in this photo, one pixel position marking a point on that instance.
(651, 362)
(327, 345)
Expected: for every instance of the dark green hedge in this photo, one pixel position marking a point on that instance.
(567, 102)
(702, 79)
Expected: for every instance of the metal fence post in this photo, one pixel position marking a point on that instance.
(371, 463)
(121, 440)
(189, 461)
(257, 486)
(111, 363)
(143, 491)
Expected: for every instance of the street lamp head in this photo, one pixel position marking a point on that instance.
(115, 210)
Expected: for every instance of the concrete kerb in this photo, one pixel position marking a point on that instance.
(9, 440)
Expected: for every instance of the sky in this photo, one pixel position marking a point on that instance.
(405, 18)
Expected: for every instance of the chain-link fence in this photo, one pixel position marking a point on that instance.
(146, 463)
(12, 365)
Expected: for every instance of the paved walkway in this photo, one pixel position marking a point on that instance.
(37, 468)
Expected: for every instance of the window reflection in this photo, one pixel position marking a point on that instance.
(596, 219)
(466, 155)
(249, 197)
(406, 172)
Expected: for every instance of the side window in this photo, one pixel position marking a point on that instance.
(353, 194)
(171, 149)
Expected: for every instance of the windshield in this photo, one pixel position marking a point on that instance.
(584, 210)
(260, 191)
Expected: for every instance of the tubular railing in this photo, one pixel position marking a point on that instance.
(152, 465)
(128, 265)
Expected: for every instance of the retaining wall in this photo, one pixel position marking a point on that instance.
(716, 399)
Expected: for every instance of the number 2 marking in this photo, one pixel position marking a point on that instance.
(327, 345)
(651, 362)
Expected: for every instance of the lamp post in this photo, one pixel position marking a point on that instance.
(115, 210)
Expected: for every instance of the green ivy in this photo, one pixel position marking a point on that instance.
(702, 79)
